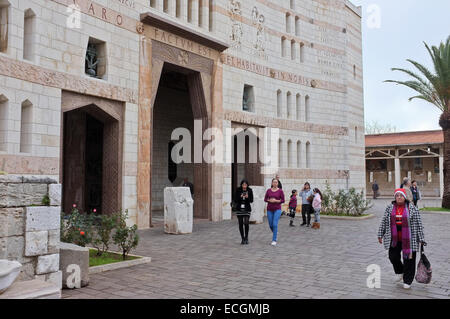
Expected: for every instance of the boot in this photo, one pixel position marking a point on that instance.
(291, 223)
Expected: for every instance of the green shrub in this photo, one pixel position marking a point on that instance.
(104, 226)
(344, 202)
(125, 237)
(46, 201)
(77, 228)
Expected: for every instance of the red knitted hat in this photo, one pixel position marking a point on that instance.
(401, 191)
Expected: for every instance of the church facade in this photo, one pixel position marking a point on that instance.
(98, 94)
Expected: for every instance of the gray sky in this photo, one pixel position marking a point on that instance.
(404, 26)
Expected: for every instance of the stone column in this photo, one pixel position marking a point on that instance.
(194, 12)
(184, 10)
(204, 19)
(172, 10)
(441, 172)
(159, 5)
(397, 169)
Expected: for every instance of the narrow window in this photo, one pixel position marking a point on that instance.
(96, 59)
(354, 72)
(356, 134)
(283, 46)
(200, 13)
(178, 9)
(279, 103)
(292, 4)
(29, 39)
(289, 105)
(299, 154)
(248, 99)
(3, 122)
(166, 6)
(298, 104)
(308, 155)
(26, 122)
(4, 24)
(190, 7)
(280, 153)
(307, 108)
(297, 26)
(302, 52)
(211, 5)
(153, 3)
(288, 23)
(293, 50)
(290, 154)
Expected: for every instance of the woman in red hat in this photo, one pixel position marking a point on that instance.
(401, 231)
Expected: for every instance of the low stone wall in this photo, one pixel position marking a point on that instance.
(30, 231)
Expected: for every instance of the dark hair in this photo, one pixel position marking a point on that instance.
(316, 190)
(244, 181)
(414, 181)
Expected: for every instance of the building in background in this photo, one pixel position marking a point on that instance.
(394, 156)
(90, 95)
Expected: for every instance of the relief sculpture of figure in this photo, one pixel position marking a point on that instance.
(234, 11)
(258, 21)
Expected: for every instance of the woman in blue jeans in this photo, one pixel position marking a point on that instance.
(274, 198)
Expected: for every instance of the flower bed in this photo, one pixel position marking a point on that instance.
(106, 258)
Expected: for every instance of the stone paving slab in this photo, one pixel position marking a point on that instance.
(307, 263)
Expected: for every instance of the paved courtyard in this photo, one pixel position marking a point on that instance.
(328, 263)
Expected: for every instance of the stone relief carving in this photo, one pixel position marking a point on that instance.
(260, 39)
(183, 58)
(140, 27)
(235, 13)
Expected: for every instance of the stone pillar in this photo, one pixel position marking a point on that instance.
(184, 10)
(397, 169)
(178, 210)
(257, 215)
(441, 172)
(194, 12)
(172, 10)
(159, 5)
(204, 19)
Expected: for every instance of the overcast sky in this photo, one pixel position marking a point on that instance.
(404, 26)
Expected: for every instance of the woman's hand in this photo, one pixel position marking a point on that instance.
(380, 240)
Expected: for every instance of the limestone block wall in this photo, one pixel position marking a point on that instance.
(30, 232)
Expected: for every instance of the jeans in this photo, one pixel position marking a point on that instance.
(273, 218)
(243, 221)
(407, 267)
(317, 215)
(306, 213)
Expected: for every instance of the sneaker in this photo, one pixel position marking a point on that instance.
(274, 243)
(246, 242)
(406, 286)
(398, 277)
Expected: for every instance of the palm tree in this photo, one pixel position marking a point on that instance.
(435, 88)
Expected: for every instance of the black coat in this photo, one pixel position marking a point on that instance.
(246, 201)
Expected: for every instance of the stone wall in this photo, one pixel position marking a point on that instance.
(29, 231)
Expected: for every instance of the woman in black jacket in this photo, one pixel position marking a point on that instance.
(243, 198)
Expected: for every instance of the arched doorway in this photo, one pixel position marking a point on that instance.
(179, 102)
(91, 163)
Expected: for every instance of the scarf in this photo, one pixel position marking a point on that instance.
(406, 231)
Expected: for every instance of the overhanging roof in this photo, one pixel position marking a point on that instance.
(405, 138)
(184, 31)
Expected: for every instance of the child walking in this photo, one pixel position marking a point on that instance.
(292, 207)
(317, 206)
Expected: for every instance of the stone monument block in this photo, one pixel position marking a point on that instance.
(47, 264)
(42, 218)
(178, 210)
(257, 215)
(74, 264)
(54, 193)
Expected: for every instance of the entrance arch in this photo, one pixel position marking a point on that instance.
(91, 153)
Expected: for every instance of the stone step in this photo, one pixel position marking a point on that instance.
(32, 289)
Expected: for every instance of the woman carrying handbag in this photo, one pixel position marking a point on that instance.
(401, 231)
